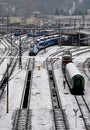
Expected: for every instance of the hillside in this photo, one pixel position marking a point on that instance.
(47, 6)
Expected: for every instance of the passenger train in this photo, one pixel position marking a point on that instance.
(35, 33)
(41, 45)
(19, 32)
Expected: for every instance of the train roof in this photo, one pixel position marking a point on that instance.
(66, 55)
(72, 70)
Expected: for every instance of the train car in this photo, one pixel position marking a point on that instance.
(30, 33)
(47, 43)
(49, 32)
(75, 79)
(33, 50)
(37, 40)
(35, 33)
(38, 33)
(17, 32)
(66, 58)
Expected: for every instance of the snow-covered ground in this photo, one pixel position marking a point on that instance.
(40, 103)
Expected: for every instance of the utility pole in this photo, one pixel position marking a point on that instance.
(33, 34)
(79, 34)
(59, 33)
(11, 41)
(74, 24)
(7, 23)
(83, 20)
(44, 44)
(79, 38)
(7, 89)
(20, 55)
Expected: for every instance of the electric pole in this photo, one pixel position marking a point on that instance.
(59, 33)
(83, 20)
(11, 41)
(20, 55)
(7, 89)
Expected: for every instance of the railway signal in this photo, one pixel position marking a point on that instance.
(75, 110)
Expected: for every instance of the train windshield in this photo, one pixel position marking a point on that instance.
(78, 82)
(31, 46)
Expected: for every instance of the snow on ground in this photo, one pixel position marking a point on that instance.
(3, 67)
(79, 61)
(40, 104)
(2, 48)
(67, 100)
(16, 85)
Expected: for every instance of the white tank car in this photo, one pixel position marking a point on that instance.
(75, 78)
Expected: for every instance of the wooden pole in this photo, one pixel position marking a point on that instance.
(7, 90)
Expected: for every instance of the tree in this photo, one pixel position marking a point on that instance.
(57, 12)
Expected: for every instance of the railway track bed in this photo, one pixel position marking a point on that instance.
(60, 118)
(84, 109)
(22, 119)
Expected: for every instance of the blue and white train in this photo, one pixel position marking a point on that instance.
(34, 49)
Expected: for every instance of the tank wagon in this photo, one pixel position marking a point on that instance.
(75, 79)
(66, 58)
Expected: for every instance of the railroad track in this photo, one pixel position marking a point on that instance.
(59, 115)
(11, 67)
(86, 68)
(3, 81)
(6, 52)
(84, 109)
(73, 50)
(22, 119)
